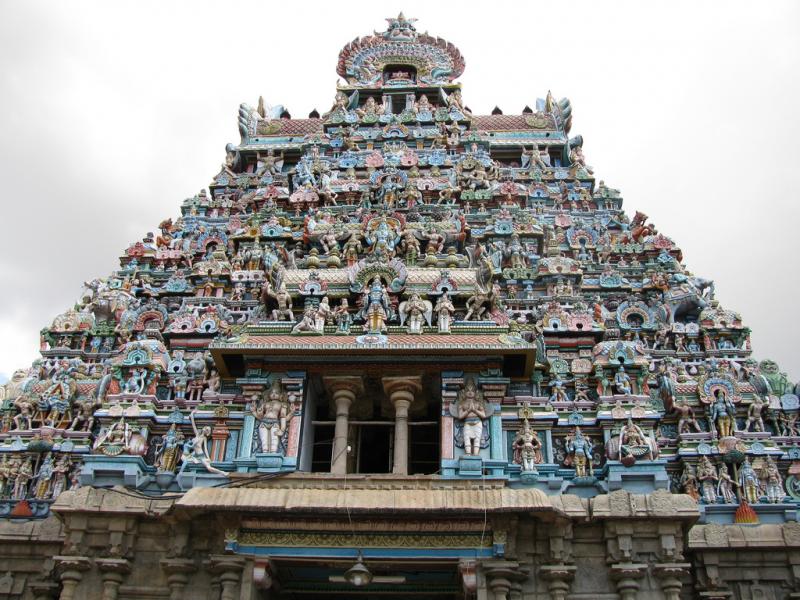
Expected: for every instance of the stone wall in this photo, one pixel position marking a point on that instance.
(106, 544)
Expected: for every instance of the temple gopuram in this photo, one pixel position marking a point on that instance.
(400, 350)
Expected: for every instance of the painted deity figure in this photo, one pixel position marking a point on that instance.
(59, 479)
(383, 240)
(471, 409)
(414, 310)
(273, 413)
(444, 310)
(532, 159)
(168, 452)
(195, 451)
(308, 322)
(686, 421)
(726, 486)
(633, 442)
(622, 381)
(689, 481)
(722, 412)
(755, 414)
(558, 393)
(707, 475)
(24, 418)
(116, 439)
(342, 317)
(22, 477)
(377, 307)
(44, 478)
(527, 447)
(135, 383)
(748, 481)
(580, 447)
(773, 482)
(284, 300)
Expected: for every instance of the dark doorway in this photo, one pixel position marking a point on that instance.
(375, 448)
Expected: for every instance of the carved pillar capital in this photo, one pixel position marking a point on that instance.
(113, 572)
(669, 574)
(343, 385)
(501, 577)
(70, 570)
(229, 569)
(627, 575)
(177, 571)
(402, 387)
(558, 578)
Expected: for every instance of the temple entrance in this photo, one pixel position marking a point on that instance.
(390, 580)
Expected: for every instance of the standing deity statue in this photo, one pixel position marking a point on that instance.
(722, 413)
(59, 479)
(773, 482)
(748, 481)
(726, 485)
(44, 478)
(689, 481)
(444, 310)
(755, 414)
(527, 448)
(707, 475)
(168, 451)
(377, 307)
(416, 311)
(342, 317)
(579, 448)
(272, 413)
(471, 410)
(22, 477)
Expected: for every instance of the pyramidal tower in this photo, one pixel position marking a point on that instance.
(400, 348)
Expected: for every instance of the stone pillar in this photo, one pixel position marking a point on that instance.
(401, 394)
(343, 391)
(627, 575)
(669, 575)
(229, 569)
(501, 577)
(558, 579)
(177, 571)
(70, 569)
(113, 572)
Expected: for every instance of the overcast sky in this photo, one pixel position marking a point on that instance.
(114, 112)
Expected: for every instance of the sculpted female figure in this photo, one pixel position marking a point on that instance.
(196, 450)
(273, 414)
